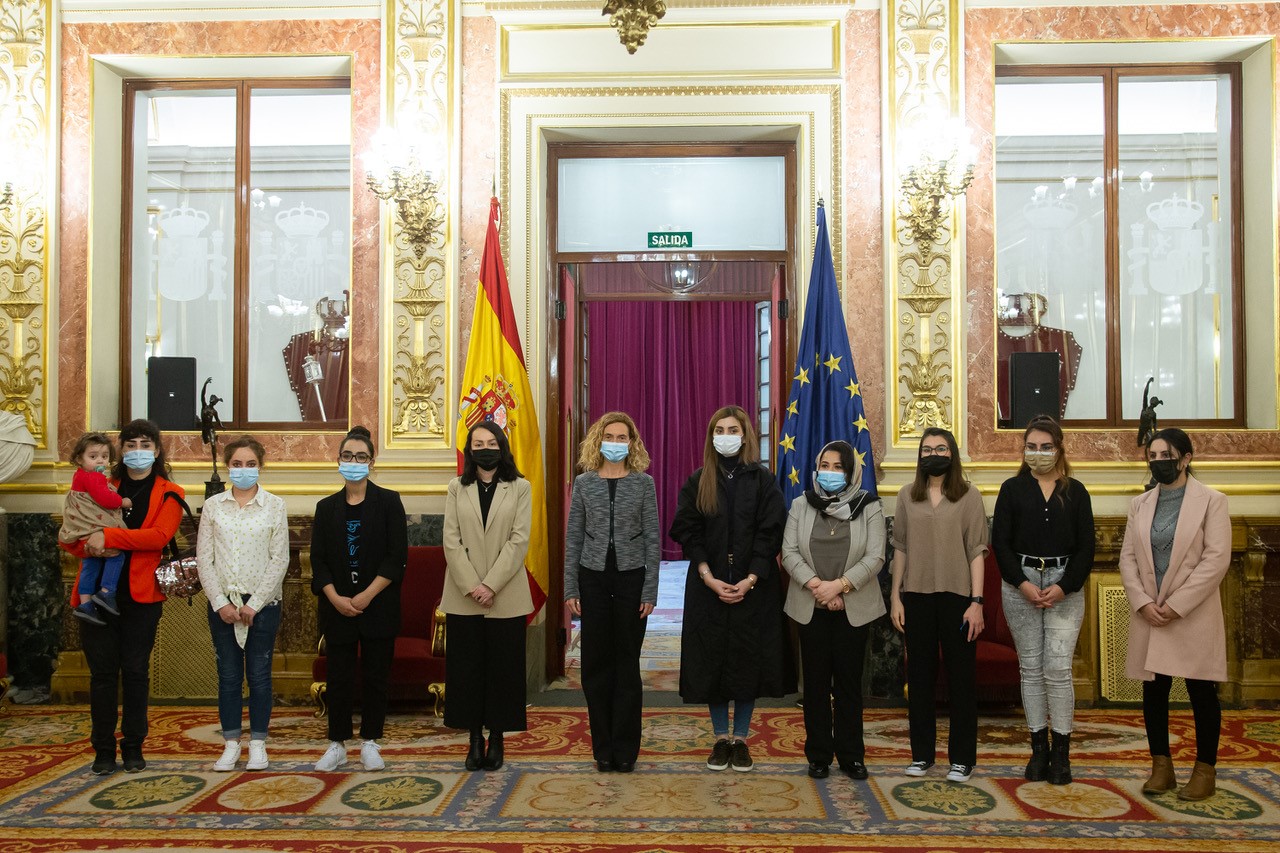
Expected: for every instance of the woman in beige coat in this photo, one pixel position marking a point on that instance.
(1177, 546)
(832, 549)
(487, 515)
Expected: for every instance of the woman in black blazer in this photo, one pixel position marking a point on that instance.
(359, 545)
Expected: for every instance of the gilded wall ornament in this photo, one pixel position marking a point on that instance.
(633, 19)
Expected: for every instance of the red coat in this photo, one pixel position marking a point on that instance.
(1195, 644)
(146, 544)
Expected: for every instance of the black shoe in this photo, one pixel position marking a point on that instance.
(854, 770)
(1038, 766)
(741, 760)
(132, 759)
(819, 771)
(624, 766)
(1060, 760)
(720, 755)
(104, 762)
(475, 755)
(604, 766)
(493, 757)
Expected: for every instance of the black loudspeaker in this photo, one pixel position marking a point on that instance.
(1033, 387)
(171, 392)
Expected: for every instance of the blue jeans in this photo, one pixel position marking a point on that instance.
(742, 710)
(235, 665)
(98, 573)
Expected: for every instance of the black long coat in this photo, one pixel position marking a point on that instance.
(732, 651)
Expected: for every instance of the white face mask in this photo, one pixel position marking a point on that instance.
(727, 445)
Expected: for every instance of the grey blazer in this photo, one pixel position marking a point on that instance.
(635, 530)
(866, 555)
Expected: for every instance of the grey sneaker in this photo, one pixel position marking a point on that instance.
(960, 773)
(741, 758)
(720, 755)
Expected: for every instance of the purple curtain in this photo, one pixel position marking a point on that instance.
(670, 365)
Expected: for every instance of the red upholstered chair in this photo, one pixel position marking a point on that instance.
(417, 670)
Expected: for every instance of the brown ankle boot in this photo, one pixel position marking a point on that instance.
(1162, 778)
(1201, 784)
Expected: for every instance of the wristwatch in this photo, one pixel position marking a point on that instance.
(975, 599)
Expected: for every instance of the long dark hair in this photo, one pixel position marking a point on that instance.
(507, 470)
(1044, 423)
(1178, 440)
(142, 428)
(708, 485)
(954, 484)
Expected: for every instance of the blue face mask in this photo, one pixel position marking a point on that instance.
(139, 460)
(243, 478)
(614, 451)
(353, 472)
(832, 481)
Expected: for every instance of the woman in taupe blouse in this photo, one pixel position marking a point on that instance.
(939, 541)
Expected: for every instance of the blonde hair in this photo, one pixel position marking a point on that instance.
(589, 456)
(708, 486)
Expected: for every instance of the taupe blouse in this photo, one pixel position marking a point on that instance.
(940, 542)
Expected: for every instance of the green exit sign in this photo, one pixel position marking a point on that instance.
(670, 239)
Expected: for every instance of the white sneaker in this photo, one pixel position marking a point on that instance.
(960, 773)
(257, 755)
(230, 755)
(371, 756)
(918, 768)
(334, 757)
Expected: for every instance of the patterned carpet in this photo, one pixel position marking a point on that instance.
(548, 799)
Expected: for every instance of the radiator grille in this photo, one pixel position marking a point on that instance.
(1113, 644)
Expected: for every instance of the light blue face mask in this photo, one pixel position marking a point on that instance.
(353, 472)
(243, 478)
(614, 451)
(139, 460)
(832, 481)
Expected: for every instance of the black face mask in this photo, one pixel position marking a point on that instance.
(1164, 471)
(487, 459)
(935, 466)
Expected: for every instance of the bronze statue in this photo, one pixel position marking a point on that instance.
(1147, 420)
(210, 423)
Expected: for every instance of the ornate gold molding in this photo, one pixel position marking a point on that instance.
(421, 77)
(924, 55)
(24, 143)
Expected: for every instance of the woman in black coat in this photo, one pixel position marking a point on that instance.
(732, 639)
(359, 546)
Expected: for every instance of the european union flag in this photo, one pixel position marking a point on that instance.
(825, 403)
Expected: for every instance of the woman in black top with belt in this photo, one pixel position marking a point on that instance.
(1043, 539)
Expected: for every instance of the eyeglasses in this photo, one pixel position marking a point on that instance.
(362, 458)
(935, 451)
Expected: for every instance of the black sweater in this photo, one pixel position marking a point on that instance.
(1025, 523)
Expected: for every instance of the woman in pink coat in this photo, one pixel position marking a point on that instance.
(1177, 546)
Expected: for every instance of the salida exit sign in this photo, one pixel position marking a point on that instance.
(670, 239)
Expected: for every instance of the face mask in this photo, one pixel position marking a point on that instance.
(935, 466)
(1164, 471)
(244, 478)
(1040, 461)
(139, 460)
(727, 445)
(832, 481)
(614, 451)
(353, 472)
(487, 459)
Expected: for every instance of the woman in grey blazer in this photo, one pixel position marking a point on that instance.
(611, 581)
(833, 548)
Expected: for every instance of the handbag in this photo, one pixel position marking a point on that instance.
(179, 575)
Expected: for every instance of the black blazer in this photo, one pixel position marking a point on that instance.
(384, 549)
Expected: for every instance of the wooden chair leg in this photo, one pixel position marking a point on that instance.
(436, 689)
(318, 690)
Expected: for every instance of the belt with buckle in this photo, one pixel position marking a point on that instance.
(1043, 564)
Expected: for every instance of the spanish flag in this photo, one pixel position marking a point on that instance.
(496, 388)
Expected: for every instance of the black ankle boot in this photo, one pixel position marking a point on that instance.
(493, 758)
(1060, 760)
(1038, 766)
(475, 755)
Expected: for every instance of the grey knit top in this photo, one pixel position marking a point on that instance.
(1163, 527)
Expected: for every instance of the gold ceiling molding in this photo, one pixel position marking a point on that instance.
(422, 78)
(924, 57)
(24, 144)
(594, 6)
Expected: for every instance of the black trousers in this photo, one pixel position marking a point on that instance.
(612, 634)
(119, 654)
(484, 673)
(1205, 709)
(934, 621)
(375, 678)
(831, 656)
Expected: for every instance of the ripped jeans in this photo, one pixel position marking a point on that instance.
(1046, 643)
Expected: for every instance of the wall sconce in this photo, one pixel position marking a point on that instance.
(633, 18)
(396, 171)
(939, 171)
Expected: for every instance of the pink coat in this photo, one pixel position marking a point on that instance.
(1195, 645)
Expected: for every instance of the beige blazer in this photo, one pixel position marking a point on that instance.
(492, 555)
(1194, 645)
(866, 555)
